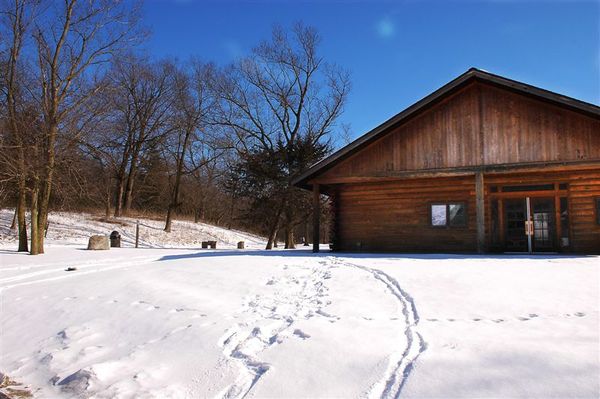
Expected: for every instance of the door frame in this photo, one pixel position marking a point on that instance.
(555, 194)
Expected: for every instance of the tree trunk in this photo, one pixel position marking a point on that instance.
(120, 186)
(231, 211)
(272, 242)
(169, 217)
(13, 224)
(289, 229)
(175, 197)
(306, 232)
(119, 196)
(130, 180)
(273, 231)
(107, 202)
(44, 201)
(289, 238)
(22, 200)
(18, 29)
(35, 223)
(21, 222)
(128, 192)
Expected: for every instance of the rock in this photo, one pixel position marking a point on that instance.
(98, 243)
(77, 383)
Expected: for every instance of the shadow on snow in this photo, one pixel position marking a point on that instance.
(355, 255)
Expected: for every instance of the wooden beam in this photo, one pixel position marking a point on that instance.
(491, 170)
(480, 211)
(501, 222)
(557, 220)
(316, 217)
(522, 194)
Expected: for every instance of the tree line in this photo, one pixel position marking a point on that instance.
(89, 120)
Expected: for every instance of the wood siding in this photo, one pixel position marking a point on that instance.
(519, 129)
(394, 215)
(583, 189)
(479, 125)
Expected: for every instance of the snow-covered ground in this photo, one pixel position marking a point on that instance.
(177, 323)
(66, 228)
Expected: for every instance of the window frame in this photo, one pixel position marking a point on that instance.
(447, 205)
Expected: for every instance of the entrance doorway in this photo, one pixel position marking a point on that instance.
(530, 225)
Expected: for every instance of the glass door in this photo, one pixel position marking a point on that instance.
(529, 225)
(543, 217)
(515, 216)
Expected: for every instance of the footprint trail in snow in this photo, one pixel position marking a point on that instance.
(269, 319)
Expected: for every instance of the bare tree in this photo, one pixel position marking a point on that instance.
(193, 102)
(17, 18)
(283, 102)
(73, 40)
(143, 102)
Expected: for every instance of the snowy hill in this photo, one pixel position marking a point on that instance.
(68, 228)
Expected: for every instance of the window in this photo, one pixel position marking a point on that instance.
(448, 215)
(439, 215)
(598, 210)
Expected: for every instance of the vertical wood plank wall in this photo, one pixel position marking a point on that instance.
(478, 125)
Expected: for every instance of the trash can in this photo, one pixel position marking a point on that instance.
(115, 239)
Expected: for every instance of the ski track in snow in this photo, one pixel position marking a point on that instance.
(400, 363)
(83, 268)
(270, 320)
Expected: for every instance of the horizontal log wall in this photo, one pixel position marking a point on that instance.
(395, 216)
(584, 188)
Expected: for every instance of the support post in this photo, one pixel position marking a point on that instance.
(480, 212)
(137, 233)
(316, 217)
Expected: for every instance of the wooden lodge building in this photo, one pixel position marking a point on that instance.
(483, 164)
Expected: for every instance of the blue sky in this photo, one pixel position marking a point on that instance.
(400, 51)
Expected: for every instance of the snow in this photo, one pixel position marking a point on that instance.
(66, 228)
(188, 323)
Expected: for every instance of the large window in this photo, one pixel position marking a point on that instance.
(449, 214)
(598, 210)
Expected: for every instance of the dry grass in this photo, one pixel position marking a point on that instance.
(111, 221)
(13, 389)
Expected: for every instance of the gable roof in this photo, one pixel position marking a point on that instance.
(473, 74)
